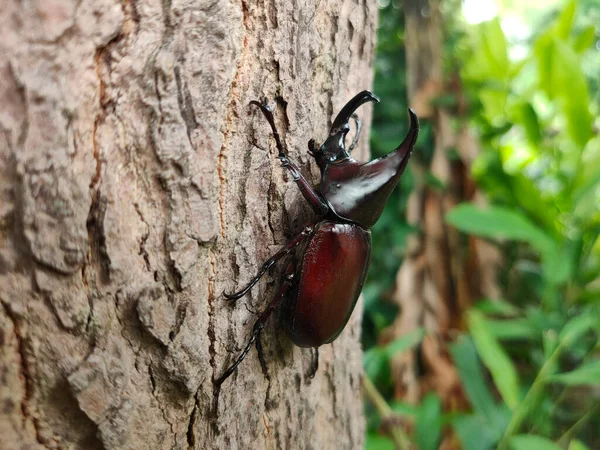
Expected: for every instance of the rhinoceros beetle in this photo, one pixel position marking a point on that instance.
(329, 259)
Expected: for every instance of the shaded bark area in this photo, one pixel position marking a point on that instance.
(135, 186)
(443, 273)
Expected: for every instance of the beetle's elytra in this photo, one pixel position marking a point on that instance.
(328, 261)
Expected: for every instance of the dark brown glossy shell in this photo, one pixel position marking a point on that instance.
(357, 191)
(329, 280)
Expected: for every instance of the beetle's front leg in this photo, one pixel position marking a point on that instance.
(312, 197)
(269, 262)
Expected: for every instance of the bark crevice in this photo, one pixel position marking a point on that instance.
(25, 375)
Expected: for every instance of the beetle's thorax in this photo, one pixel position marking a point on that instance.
(358, 191)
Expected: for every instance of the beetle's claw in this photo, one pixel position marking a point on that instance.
(263, 105)
(234, 296)
(256, 103)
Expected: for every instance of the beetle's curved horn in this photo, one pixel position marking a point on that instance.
(411, 137)
(345, 114)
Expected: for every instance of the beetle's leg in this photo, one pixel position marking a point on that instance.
(258, 326)
(269, 262)
(268, 113)
(358, 123)
(311, 196)
(315, 364)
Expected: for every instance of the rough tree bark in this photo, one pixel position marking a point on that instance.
(135, 186)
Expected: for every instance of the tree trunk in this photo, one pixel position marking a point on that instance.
(135, 187)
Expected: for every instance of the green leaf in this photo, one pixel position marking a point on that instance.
(375, 362)
(532, 442)
(529, 119)
(428, 426)
(494, 45)
(376, 359)
(549, 345)
(371, 294)
(404, 408)
(589, 186)
(588, 374)
(577, 327)
(444, 100)
(464, 356)
(513, 329)
(494, 103)
(571, 85)
(498, 222)
(489, 56)
(585, 39)
(378, 442)
(497, 307)
(474, 433)
(565, 21)
(588, 296)
(560, 76)
(529, 197)
(404, 343)
(495, 358)
(577, 445)
(543, 50)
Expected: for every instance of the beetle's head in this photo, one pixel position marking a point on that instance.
(334, 148)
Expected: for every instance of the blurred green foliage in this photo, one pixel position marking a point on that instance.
(390, 125)
(529, 363)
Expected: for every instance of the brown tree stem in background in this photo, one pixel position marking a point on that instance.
(442, 274)
(136, 185)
